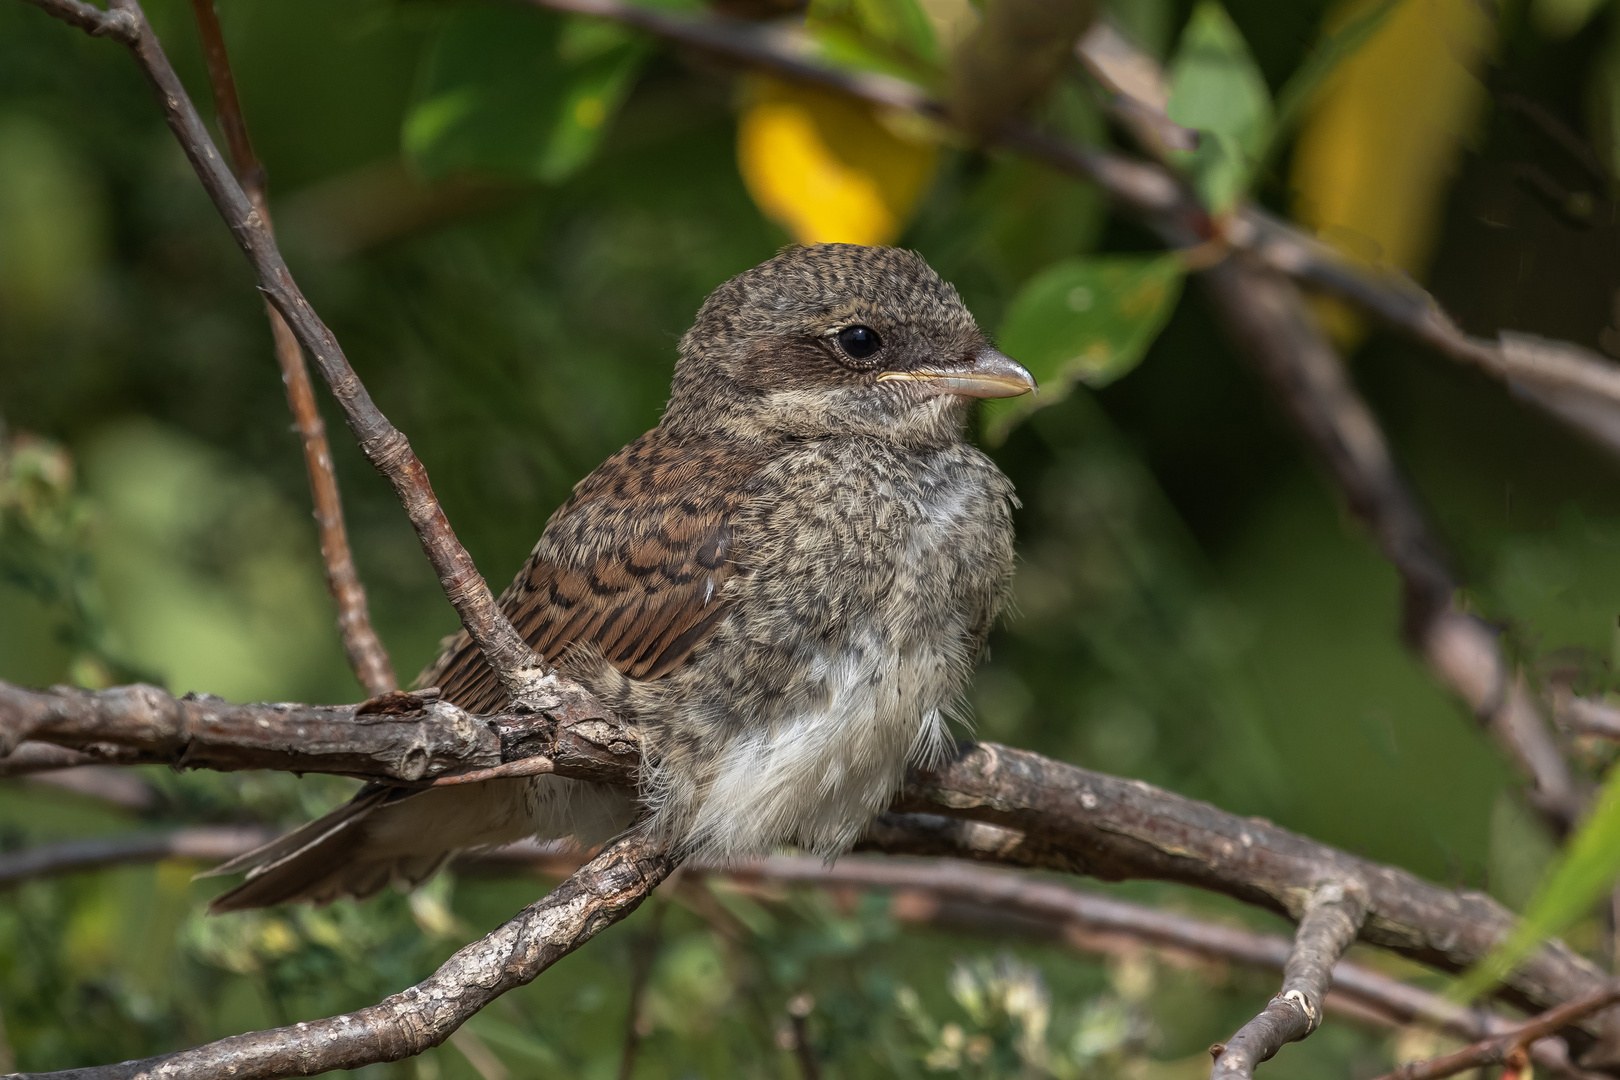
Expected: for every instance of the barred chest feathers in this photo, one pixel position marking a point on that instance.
(872, 578)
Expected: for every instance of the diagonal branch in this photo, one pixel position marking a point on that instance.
(1555, 375)
(524, 674)
(599, 894)
(367, 657)
(1332, 918)
(1268, 320)
(1504, 1048)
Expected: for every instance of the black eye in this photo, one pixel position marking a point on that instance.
(859, 342)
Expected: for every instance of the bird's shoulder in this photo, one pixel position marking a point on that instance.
(634, 564)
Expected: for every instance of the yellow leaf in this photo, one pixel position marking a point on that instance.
(825, 168)
(1382, 140)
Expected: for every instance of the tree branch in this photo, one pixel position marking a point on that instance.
(367, 656)
(214, 843)
(945, 891)
(599, 894)
(407, 738)
(1332, 918)
(524, 674)
(1551, 373)
(1502, 1049)
(1027, 810)
(1267, 319)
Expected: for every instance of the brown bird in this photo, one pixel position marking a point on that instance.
(784, 584)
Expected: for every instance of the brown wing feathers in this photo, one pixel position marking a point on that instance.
(633, 564)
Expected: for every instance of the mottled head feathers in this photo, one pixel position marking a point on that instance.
(800, 345)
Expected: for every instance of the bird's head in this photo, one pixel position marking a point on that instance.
(837, 339)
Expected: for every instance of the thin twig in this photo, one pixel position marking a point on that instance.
(1546, 371)
(1586, 716)
(213, 843)
(525, 675)
(1332, 918)
(367, 656)
(644, 953)
(1501, 1049)
(599, 894)
(42, 757)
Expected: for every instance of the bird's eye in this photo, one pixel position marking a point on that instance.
(859, 342)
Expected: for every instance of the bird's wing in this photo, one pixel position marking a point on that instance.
(633, 564)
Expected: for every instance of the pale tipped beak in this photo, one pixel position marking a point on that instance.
(990, 375)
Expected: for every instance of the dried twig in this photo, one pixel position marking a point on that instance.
(1502, 1049)
(367, 657)
(643, 955)
(213, 843)
(1332, 917)
(599, 894)
(522, 672)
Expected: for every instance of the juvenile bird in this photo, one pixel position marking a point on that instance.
(784, 584)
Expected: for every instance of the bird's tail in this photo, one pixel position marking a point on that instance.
(402, 836)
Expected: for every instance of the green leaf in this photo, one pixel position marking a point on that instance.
(518, 93)
(1583, 873)
(1085, 319)
(1216, 88)
(1329, 53)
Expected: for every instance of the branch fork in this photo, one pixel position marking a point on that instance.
(1332, 917)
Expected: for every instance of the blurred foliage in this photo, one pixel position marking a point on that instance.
(509, 216)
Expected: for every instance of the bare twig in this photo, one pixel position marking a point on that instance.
(524, 674)
(1501, 1049)
(643, 955)
(1271, 326)
(1333, 916)
(799, 1007)
(211, 843)
(367, 656)
(42, 757)
(599, 894)
(1587, 716)
(118, 787)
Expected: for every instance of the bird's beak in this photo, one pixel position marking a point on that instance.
(990, 375)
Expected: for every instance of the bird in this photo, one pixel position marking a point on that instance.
(785, 586)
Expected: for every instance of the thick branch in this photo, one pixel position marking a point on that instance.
(599, 894)
(385, 446)
(1333, 916)
(1268, 320)
(408, 738)
(367, 657)
(1062, 817)
(1049, 814)
(946, 891)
